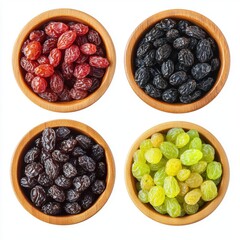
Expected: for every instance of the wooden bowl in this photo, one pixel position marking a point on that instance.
(64, 15)
(202, 22)
(209, 207)
(17, 163)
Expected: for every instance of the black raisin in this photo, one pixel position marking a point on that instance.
(206, 84)
(69, 170)
(163, 52)
(170, 95)
(56, 193)
(32, 155)
(178, 78)
(195, 31)
(166, 24)
(142, 76)
(52, 208)
(63, 182)
(48, 139)
(81, 183)
(62, 133)
(181, 42)
(204, 51)
(38, 195)
(186, 57)
(167, 68)
(153, 91)
(84, 141)
(187, 88)
(33, 169)
(72, 195)
(72, 208)
(159, 82)
(200, 70)
(143, 49)
(98, 187)
(97, 153)
(87, 163)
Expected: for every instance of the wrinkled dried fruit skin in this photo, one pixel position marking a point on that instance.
(38, 196)
(174, 52)
(64, 171)
(60, 51)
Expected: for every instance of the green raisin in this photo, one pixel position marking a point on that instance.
(171, 187)
(169, 150)
(191, 156)
(214, 170)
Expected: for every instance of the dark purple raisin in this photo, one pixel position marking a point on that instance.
(87, 200)
(200, 70)
(98, 187)
(58, 156)
(97, 153)
(84, 141)
(187, 88)
(52, 208)
(68, 145)
(72, 195)
(215, 63)
(32, 155)
(62, 133)
(195, 31)
(33, 169)
(28, 182)
(44, 180)
(52, 168)
(163, 52)
(56, 193)
(72, 208)
(178, 78)
(170, 95)
(204, 51)
(167, 68)
(48, 139)
(63, 182)
(38, 195)
(69, 170)
(142, 76)
(87, 163)
(186, 57)
(78, 151)
(101, 170)
(81, 183)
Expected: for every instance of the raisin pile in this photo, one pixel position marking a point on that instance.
(64, 171)
(176, 61)
(64, 61)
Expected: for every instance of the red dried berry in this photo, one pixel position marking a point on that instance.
(49, 96)
(39, 84)
(29, 77)
(33, 50)
(82, 58)
(43, 59)
(56, 29)
(48, 45)
(67, 70)
(44, 70)
(81, 70)
(28, 65)
(79, 28)
(80, 40)
(55, 57)
(98, 62)
(94, 37)
(65, 96)
(37, 35)
(56, 83)
(78, 94)
(88, 48)
(66, 39)
(83, 84)
(71, 54)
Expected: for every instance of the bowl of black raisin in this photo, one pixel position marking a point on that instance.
(63, 172)
(177, 61)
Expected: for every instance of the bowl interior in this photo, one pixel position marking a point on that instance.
(66, 15)
(17, 163)
(209, 207)
(203, 22)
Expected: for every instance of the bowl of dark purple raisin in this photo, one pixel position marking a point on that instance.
(63, 172)
(177, 61)
(64, 60)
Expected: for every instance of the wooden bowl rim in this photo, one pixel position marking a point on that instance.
(200, 20)
(70, 219)
(206, 210)
(70, 15)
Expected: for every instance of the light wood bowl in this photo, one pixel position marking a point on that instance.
(202, 22)
(17, 163)
(209, 207)
(64, 15)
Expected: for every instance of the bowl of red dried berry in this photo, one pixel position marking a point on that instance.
(64, 60)
(63, 172)
(177, 61)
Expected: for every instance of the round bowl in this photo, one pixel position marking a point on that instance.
(209, 207)
(17, 163)
(201, 21)
(64, 15)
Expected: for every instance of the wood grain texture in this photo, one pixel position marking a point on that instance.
(208, 208)
(16, 169)
(202, 22)
(64, 15)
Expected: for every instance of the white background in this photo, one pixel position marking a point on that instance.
(120, 117)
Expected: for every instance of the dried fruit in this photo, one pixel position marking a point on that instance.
(64, 171)
(176, 56)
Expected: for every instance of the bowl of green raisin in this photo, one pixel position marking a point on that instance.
(177, 173)
(177, 60)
